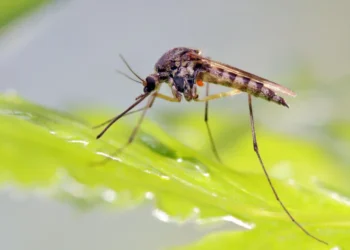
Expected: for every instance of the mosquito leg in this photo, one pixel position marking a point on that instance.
(164, 97)
(219, 95)
(148, 105)
(129, 113)
(158, 95)
(136, 129)
(206, 99)
(168, 98)
(213, 147)
(256, 149)
(137, 110)
(110, 122)
(144, 109)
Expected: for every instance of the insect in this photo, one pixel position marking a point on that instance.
(185, 69)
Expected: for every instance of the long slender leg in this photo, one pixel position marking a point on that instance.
(219, 95)
(256, 149)
(168, 98)
(158, 95)
(110, 122)
(206, 99)
(213, 147)
(129, 113)
(136, 129)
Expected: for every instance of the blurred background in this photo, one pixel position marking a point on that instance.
(63, 54)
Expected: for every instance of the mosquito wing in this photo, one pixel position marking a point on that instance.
(267, 83)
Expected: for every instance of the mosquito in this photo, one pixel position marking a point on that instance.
(185, 69)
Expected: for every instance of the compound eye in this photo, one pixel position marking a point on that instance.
(151, 83)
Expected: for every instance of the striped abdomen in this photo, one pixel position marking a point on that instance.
(246, 84)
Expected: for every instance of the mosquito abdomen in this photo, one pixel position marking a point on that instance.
(246, 84)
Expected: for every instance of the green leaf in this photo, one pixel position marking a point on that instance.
(12, 9)
(57, 153)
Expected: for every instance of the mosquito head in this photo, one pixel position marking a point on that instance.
(151, 82)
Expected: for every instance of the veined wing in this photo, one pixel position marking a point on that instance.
(267, 83)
